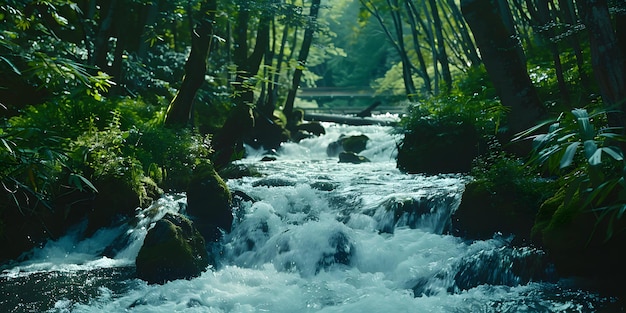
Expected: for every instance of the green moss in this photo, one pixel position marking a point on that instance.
(354, 144)
(173, 249)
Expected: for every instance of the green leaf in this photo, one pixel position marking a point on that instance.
(523, 135)
(13, 67)
(6, 145)
(596, 158)
(569, 154)
(621, 211)
(77, 181)
(591, 149)
(59, 19)
(614, 152)
(585, 126)
(566, 137)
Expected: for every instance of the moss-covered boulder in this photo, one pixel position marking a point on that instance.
(235, 171)
(485, 211)
(576, 239)
(173, 249)
(268, 131)
(436, 147)
(209, 203)
(356, 144)
(117, 199)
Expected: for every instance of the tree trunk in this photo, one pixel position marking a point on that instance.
(304, 54)
(423, 71)
(504, 66)
(407, 73)
(179, 110)
(607, 59)
(441, 47)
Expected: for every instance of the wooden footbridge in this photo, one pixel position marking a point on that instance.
(350, 114)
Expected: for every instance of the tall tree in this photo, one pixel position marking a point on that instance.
(307, 40)
(442, 55)
(179, 110)
(505, 68)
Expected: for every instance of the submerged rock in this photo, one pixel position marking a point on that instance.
(351, 157)
(274, 182)
(503, 266)
(343, 251)
(173, 249)
(323, 186)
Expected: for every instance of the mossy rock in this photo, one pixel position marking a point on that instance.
(576, 240)
(436, 148)
(236, 171)
(484, 212)
(209, 203)
(354, 144)
(173, 249)
(116, 199)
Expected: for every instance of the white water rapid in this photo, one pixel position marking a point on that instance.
(318, 236)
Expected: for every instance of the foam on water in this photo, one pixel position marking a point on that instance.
(297, 248)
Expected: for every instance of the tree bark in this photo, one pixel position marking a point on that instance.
(179, 110)
(504, 66)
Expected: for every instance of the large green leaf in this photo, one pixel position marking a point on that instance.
(569, 154)
(596, 157)
(591, 149)
(614, 152)
(585, 127)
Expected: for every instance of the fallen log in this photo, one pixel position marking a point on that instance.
(347, 120)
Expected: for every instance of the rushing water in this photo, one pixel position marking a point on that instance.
(317, 236)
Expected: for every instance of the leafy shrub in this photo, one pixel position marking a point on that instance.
(590, 160)
(445, 133)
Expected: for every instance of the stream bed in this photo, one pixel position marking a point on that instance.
(311, 235)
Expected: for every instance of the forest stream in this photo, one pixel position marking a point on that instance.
(315, 235)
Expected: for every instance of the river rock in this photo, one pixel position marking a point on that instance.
(351, 157)
(323, 186)
(344, 250)
(307, 130)
(173, 249)
(235, 171)
(437, 147)
(209, 203)
(274, 182)
(354, 144)
(393, 209)
(484, 212)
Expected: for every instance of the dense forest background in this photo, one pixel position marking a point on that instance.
(130, 97)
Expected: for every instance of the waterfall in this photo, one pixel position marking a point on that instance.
(311, 235)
